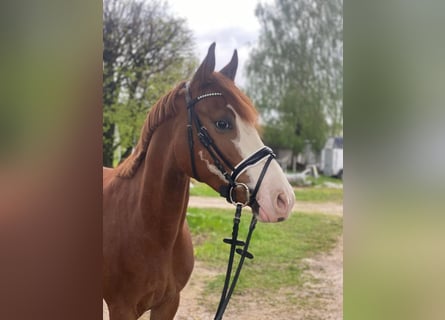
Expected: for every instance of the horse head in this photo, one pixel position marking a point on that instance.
(222, 146)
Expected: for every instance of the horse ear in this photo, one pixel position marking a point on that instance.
(206, 68)
(230, 69)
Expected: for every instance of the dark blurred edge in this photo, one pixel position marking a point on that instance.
(394, 176)
(50, 160)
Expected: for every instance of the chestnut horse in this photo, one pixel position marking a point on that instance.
(147, 248)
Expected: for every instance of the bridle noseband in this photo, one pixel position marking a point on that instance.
(228, 191)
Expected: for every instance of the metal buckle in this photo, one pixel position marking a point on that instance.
(235, 188)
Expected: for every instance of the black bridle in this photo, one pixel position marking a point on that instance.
(228, 191)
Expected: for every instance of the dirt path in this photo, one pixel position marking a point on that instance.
(320, 298)
(325, 207)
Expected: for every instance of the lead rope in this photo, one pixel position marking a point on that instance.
(233, 243)
(225, 296)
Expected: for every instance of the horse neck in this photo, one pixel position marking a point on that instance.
(164, 187)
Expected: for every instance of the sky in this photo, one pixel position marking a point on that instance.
(230, 23)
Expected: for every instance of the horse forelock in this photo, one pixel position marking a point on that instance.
(161, 111)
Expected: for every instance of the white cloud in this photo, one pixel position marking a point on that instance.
(230, 23)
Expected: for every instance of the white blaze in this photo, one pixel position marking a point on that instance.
(247, 142)
(275, 196)
(274, 183)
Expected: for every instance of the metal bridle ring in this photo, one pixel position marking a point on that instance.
(247, 193)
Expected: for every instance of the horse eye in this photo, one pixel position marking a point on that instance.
(223, 125)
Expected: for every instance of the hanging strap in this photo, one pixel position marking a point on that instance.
(229, 287)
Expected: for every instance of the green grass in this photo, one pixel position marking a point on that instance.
(321, 179)
(202, 190)
(319, 194)
(278, 248)
(309, 194)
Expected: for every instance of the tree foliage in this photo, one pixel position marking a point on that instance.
(295, 75)
(146, 50)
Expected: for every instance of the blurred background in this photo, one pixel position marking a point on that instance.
(70, 102)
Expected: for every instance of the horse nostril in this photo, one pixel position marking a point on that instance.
(281, 202)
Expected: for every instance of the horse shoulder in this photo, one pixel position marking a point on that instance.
(183, 258)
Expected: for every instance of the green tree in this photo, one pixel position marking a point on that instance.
(146, 50)
(295, 75)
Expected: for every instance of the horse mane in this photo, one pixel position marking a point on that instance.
(161, 111)
(165, 109)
